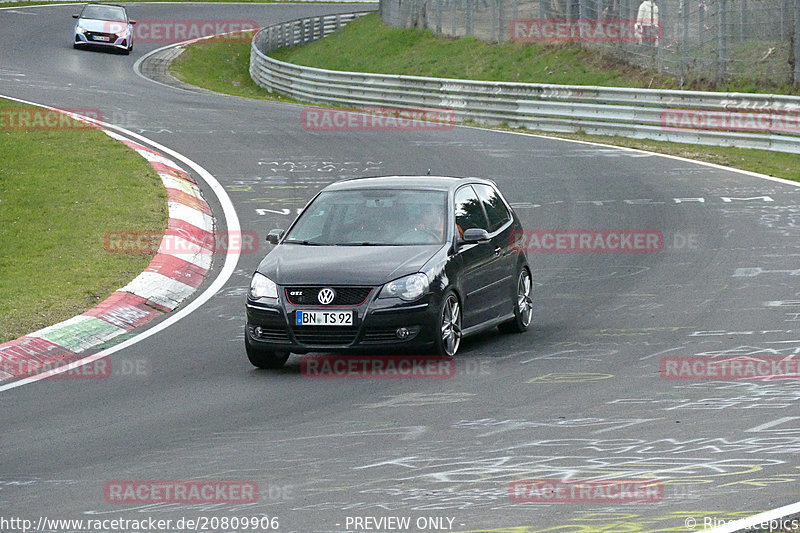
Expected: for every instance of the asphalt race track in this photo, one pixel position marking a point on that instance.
(579, 397)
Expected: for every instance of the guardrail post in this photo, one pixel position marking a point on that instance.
(743, 17)
(661, 31)
(684, 41)
(722, 41)
(501, 35)
(496, 7)
(453, 19)
(783, 16)
(796, 43)
(470, 14)
(701, 22)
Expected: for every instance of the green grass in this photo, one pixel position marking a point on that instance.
(221, 66)
(753, 66)
(60, 193)
(419, 53)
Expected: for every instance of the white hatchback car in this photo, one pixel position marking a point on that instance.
(104, 25)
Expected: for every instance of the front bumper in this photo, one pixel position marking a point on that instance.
(271, 326)
(90, 39)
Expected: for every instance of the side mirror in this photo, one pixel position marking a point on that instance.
(473, 235)
(75, 16)
(274, 236)
(131, 22)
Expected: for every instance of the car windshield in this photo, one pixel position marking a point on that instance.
(97, 12)
(372, 217)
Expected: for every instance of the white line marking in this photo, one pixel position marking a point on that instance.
(231, 258)
(641, 150)
(749, 524)
(659, 353)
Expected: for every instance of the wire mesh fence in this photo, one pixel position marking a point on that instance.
(715, 41)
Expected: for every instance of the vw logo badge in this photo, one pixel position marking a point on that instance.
(326, 296)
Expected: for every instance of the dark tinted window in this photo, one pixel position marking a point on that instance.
(469, 213)
(495, 208)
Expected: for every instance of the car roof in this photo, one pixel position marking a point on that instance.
(442, 183)
(105, 5)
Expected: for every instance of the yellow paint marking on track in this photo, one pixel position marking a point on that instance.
(570, 377)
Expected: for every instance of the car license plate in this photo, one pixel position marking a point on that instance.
(323, 318)
(101, 38)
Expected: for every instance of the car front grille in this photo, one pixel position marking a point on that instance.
(325, 335)
(90, 35)
(344, 295)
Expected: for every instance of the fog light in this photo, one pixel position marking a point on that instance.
(402, 333)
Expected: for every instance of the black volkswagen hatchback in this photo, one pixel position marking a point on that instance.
(397, 262)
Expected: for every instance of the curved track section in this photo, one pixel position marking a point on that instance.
(581, 396)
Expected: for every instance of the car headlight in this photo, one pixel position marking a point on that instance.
(262, 287)
(80, 30)
(407, 288)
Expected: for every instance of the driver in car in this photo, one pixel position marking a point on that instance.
(431, 222)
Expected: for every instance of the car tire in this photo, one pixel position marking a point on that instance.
(448, 337)
(261, 358)
(127, 51)
(523, 305)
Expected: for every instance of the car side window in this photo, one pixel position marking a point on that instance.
(495, 207)
(469, 213)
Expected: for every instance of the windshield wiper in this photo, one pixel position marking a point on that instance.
(306, 243)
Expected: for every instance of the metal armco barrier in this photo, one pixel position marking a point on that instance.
(764, 121)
